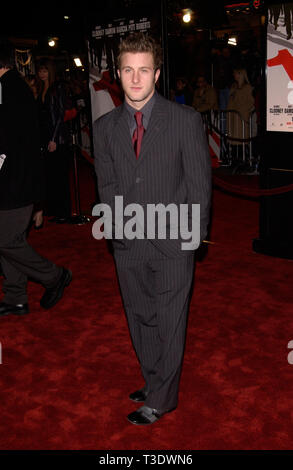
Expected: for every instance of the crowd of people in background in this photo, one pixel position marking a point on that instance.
(232, 92)
(226, 89)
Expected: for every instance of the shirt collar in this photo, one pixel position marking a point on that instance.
(146, 111)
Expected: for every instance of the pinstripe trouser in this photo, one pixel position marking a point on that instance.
(156, 295)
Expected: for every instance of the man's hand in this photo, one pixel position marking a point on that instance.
(38, 219)
(52, 146)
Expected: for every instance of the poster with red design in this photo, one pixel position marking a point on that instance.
(103, 46)
(280, 68)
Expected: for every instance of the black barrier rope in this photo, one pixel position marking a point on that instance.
(208, 120)
(236, 139)
(249, 191)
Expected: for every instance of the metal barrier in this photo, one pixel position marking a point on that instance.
(234, 137)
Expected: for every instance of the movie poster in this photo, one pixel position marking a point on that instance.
(280, 68)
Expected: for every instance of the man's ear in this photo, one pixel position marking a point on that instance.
(118, 73)
(157, 74)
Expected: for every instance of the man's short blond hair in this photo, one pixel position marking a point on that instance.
(141, 42)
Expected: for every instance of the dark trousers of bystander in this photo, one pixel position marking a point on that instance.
(19, 261)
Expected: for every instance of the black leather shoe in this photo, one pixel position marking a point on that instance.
(139, 395)
(61, 220)
(18, 309)
(146, 415)
(54, 294)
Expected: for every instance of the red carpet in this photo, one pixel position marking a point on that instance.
(67, 373)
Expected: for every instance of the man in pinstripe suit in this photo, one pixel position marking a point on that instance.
(172, 166)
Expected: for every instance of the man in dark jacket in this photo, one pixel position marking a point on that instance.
(20, 186)
(153, 153)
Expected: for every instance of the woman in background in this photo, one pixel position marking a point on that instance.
(241, 99)
(52, 101)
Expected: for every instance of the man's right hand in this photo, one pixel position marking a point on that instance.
(52, 146)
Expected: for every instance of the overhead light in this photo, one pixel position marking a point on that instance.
(186, 18)
(232, 40)
(77, 62)
(52, 42)
(186, 15)
(66, 17)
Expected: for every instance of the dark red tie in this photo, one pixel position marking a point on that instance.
(138, 133)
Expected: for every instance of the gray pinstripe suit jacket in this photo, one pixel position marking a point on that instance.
(174, 165)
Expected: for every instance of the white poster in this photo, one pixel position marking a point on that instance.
(280, 68)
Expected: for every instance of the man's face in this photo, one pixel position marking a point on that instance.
(138, 77)
(179, 85)
(201, 83)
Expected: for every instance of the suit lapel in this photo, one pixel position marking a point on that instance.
(156, 126)
(122, 135)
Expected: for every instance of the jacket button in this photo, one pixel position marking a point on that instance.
(138, 180)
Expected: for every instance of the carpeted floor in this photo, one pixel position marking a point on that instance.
(66, 373)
